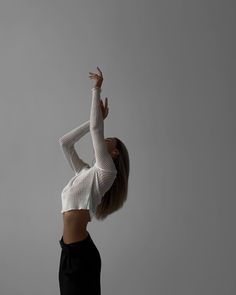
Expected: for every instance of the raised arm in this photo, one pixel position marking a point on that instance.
(67, 142)
(103, 158)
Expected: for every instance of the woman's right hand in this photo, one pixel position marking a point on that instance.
(97, 77)
(104, 108)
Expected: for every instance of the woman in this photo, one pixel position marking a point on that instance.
(97, 191)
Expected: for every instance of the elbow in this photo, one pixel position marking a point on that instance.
(62, 141)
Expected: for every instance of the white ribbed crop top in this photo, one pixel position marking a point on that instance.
(87, 187)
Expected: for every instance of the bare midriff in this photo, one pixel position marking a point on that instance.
(75, 225)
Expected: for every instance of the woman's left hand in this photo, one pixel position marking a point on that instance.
(98, 78)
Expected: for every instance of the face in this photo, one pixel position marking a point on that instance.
(111, 145)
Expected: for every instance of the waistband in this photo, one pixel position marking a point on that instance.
(73, 245)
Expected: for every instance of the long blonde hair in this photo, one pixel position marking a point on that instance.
(115, 197)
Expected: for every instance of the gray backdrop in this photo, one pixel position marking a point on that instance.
(169, 75)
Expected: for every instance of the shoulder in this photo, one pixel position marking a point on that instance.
(99, 169)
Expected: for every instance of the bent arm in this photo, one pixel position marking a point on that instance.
(67, 142)
(71, 137)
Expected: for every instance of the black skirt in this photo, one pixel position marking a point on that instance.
(80, 268)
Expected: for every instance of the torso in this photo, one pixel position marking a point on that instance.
(75, 225)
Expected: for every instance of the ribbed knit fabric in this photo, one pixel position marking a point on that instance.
(87, 187)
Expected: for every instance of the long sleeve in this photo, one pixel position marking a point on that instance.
(67, 142)
(71, 137)
(103, 158)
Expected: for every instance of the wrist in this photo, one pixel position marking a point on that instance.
(98, 85)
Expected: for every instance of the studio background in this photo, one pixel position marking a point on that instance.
(169, 75)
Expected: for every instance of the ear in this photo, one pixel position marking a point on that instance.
(115, 152)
